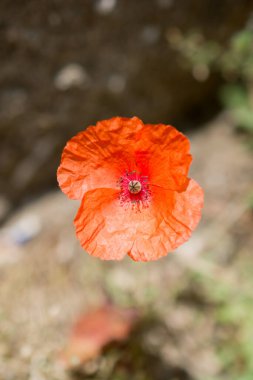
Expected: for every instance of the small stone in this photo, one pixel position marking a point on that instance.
(26, 351)
(122, 279)
(24, 229)
(105, 6)
(72, 75)
(116, 83)
(150, 34)
(201, 72)
(54, 311)
(165, 3)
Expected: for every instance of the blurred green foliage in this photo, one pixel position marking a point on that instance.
(229, 299)
(250, 200)
(236, 99)
(234, 63)
(233, 312)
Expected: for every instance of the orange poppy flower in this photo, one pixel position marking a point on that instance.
(132, 180)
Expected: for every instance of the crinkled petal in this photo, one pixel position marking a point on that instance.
(108, 230)
(100, 225)
(176, 216)
(97, 157)
(169, 152)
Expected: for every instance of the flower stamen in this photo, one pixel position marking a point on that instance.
(135, 191)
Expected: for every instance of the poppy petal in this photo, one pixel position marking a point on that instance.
(175, 217)
(169, 152)
(96, 157)
(100, 227)
(109, 231)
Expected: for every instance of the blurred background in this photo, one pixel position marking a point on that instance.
(66, 64)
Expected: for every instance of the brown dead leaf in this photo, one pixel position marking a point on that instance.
(94, 330)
